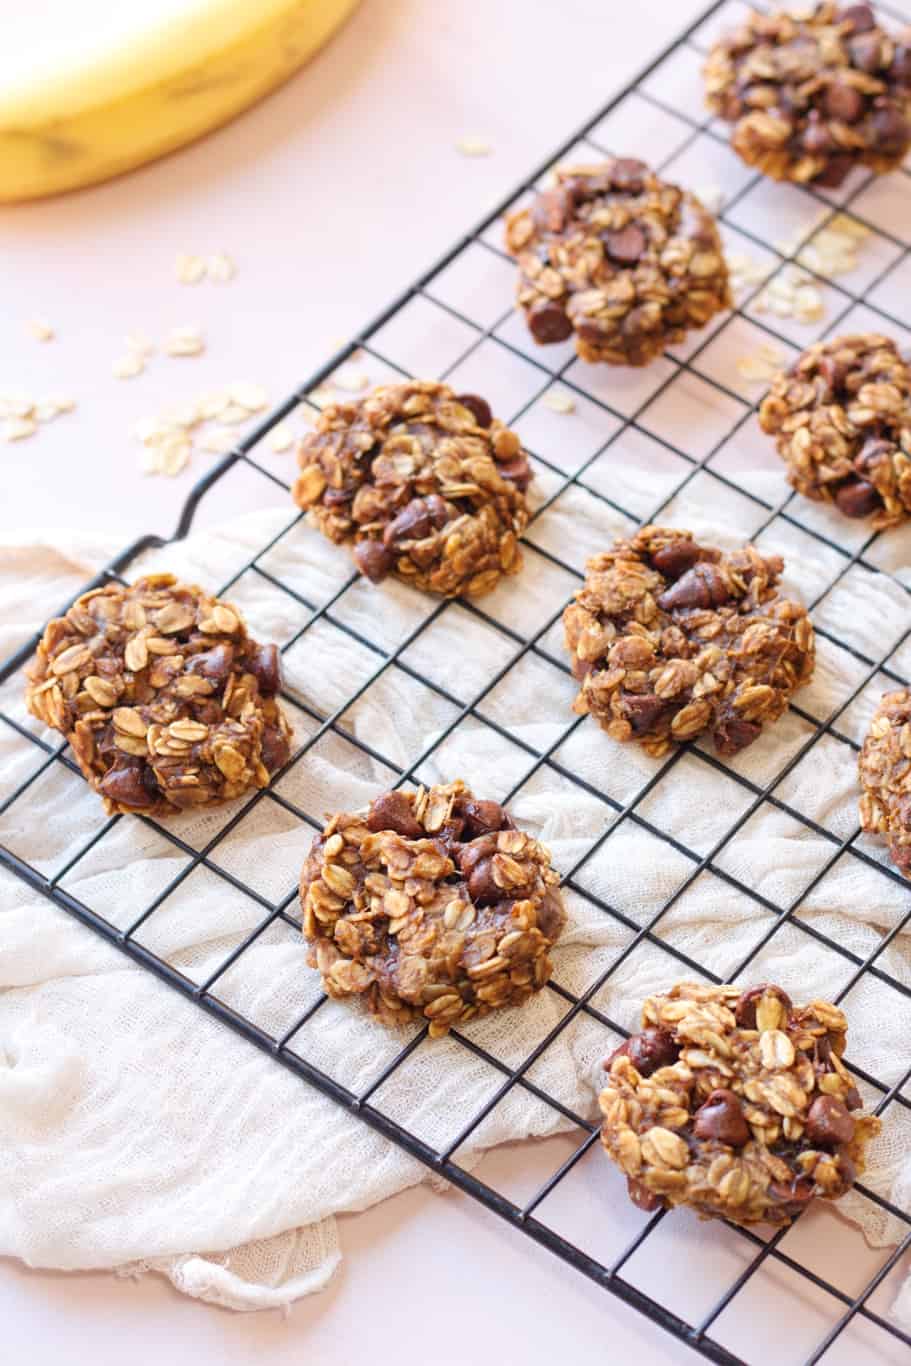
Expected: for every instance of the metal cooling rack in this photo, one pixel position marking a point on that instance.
(839, 1312)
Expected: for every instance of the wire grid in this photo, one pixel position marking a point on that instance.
(844, 1309)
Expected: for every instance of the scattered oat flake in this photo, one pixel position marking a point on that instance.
(140, 344)
(15, 405)
(560, 403)
(231, 415)
(18, 428)
(64, 405)
(128, 366)
(253, 397)
(220, 266)
(190, 269)
(173, 454)
(216, 443)
(281, 438)
(474, 147)
(185, 341)
(41, 329)
(351, 380)
(210, 405)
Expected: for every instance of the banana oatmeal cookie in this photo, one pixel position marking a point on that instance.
(621, 259)
(424, 483)
(670, 639)
(736, 1104)
(164, 698)
(811, 97)
(431, 904)
(885, 777)
(841, 416)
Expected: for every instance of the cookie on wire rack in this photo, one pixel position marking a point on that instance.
(619, 260)
(813, 96)
(165, 699)
(430, 905)
(422, 483)
(841, 418)
(736, 1104)
(885, 777)
(670, 640)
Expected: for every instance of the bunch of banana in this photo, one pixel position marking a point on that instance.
(120, 99)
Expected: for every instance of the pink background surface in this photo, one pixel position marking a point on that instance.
(330, 197)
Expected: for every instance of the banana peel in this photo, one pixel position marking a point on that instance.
(63, 126)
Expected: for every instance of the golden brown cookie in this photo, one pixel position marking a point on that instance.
(422, 483)
(166, 701)
(885, 777)
(431, 904)
(735, 1103)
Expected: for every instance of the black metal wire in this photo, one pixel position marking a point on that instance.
(289, 1048)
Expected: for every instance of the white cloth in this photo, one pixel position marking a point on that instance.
(137, 1133)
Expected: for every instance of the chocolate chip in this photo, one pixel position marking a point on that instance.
(843, 102)
(866, 52)
(473, 853)
(275, 749)
(214, 664)
(392, 811)
(548, 322)
(642, 1197)
(629, 174)
(643, 711)
(745, 1009)
(551, 212)
(860, 17)
(797, 1193)
(721, 1118)
(517, 471)
(482, 888)
(829, 1123)
(373, 559)
(732, 733)
(676, 558)
(834, 372)
(900, 70)
(478, 407)
(266, 667)
(854, 1100)
(413, 523)
(440, 511)
(625, 245)
(482, 817)
(891, 129)
(835, 172)
(846, 1169)
(650, 1049)
(816, 136)
(131, 783)
(702, 586)
(857, 498)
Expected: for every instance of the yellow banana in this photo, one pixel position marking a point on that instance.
(123, 101)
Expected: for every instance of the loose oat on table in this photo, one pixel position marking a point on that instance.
(735, 1103)
(812, 97)
(422, 483)
(670, 640)
(163, 696)
(430, 905)
(841, 416)
(619, 260)
(885, 777)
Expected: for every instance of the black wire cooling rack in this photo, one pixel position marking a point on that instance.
(843, 1319)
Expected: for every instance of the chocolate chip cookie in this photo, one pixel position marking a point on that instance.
(422, 483)
(166, 701)
(618, 259)
(812, 97)
(736, 1104)
(670, 639)
(885, 777)
(430, 905)
(841, 416)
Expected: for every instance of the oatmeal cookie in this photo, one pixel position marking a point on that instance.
(424, 483)
(431, 904)
(619, 259)
(841, 416)
(812, 97)
(736, 1104)
(670, 639)
(885, 777)
(164, 698)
